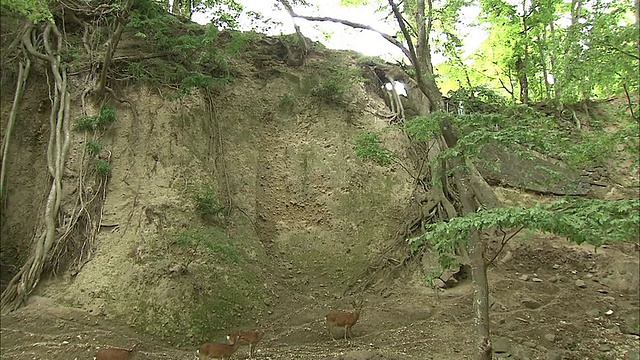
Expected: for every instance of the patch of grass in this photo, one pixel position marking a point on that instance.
(93, 147)
(103, 168)
(216, 294)
(85, 123)
(335, 87)
(207, 203)
(286, 101)
(228, 253)
(208, 242)
(364, 60)
(239, 41)
(106, 117)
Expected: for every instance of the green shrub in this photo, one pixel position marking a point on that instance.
(286, 101)
(103, 168)
(369, 147)
(107, 116)
(93, 147)
(334, 88)
(239, 41)
(207, 203)
(85, 123)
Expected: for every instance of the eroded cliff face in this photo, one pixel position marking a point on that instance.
(304, 213)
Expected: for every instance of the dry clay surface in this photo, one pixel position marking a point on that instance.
(550, 300)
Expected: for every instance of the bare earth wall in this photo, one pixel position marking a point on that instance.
(302, 204)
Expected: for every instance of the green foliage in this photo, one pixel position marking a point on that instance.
(195, 58)
(588, 149)
(227, 252)
(335, 87)
(423, 128)
(225, 14)
(196, 80)
(627, 136)
(106, 117)
(207, 203)
(581, 220)
(239, 41)
(85, 123)
(93, 147)
(592, 56)
(368, 146)
(102, 167)
(519, 129)
(286, 101)
(477, 98)
(353, 2)
(34, 10)
(365, 59)
(212, 239)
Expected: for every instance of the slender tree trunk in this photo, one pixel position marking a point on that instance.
(543, 60)
(303, 41)
(476, 247)
(571, 47)
(176, 7)
(480, 285)
(554, 69)
(637, 13)
(521, 71)
(112, 44)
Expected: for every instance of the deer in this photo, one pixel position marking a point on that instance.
(117, 353)
(219, 350)
(344, 318)
(252, 337)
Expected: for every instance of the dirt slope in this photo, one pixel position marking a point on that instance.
(550, 301)
(307, 217)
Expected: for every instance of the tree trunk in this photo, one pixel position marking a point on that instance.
(543, 61)
(112, 44)
(637, 14)
(554, 69)
(480, 285)
(522, 80)
(27, 278)
(476, 247)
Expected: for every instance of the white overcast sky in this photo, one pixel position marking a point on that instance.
(344, 37)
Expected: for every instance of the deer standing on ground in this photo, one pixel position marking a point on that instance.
(117, 353)
(252, 337)
(219, 350)
(344, 318)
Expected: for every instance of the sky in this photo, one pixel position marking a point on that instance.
(337, 36)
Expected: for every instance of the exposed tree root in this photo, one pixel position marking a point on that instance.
(65, 232)
(23, 74)
(23, 283)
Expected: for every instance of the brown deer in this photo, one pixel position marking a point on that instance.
(219, 350)
(252, 337)
(344, 318)
(117, 353)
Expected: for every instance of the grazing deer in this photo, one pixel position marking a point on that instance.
(252, 337)
(117, 353)
(344, 318)
(219, 350)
